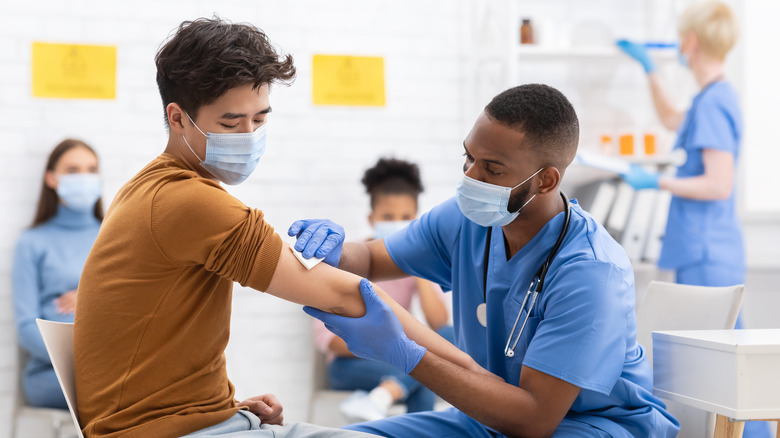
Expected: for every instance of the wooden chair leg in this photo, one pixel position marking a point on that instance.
(728, 429)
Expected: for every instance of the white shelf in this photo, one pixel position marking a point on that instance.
(531, 50)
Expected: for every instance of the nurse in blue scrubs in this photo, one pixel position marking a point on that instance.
(566, 364)
(703, 239)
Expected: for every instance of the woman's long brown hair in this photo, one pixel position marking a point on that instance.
(48, 202)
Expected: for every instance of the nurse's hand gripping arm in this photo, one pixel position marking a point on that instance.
(366, 259)
(669, 115)
(336, 291)
(535, 407)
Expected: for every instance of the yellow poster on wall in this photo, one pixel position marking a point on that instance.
(348, 80)
(73, 71)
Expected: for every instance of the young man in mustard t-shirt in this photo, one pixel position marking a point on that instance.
(154, 305)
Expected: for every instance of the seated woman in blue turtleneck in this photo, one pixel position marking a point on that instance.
(50, 256)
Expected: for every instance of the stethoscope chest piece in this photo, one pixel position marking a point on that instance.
(482, 314)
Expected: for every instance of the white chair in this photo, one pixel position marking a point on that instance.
(58, 338)
(671, 306)
(32, 421)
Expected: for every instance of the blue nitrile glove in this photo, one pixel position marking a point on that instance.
(318, 238)
(640, 179)
(377, 335)
(638, 52)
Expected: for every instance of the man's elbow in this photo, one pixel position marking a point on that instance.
(348, 304)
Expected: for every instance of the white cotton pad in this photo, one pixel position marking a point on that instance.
(308, 263)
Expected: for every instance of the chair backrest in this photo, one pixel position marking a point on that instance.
(671, 306)
(58, 338)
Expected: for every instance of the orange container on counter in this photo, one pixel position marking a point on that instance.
(650, 144)
(626, 144)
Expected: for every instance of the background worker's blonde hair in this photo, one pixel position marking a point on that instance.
(714, 25)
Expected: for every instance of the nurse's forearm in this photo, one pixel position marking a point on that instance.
(369, 260)
(355, 258)
(509, 409)
(670, 117)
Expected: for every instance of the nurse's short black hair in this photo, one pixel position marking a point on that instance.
(391, 176)
(209, 56)
(545, 116)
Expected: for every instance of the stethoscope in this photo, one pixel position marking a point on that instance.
(534, 289)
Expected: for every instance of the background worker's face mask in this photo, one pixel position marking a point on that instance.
(79, 191)
(231, 158)
(486, 204)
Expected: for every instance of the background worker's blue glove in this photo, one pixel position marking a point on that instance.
(318, 238)
(377, 335)
(638, 52)
(640, 179)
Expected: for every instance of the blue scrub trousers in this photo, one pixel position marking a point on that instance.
(354, 373)
(721, 274)
(452, 423)
(708, 273)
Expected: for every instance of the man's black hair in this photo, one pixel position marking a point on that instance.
(545, 116)
(209, 56)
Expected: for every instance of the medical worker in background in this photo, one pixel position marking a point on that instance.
(703, 238)
(394, 186)
(49, 258)
(571, 367)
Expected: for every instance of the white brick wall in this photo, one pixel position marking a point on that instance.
(270, 350)
(316, 155)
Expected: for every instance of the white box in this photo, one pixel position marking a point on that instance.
(735, 373)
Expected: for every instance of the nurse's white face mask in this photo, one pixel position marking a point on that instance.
(486, 204)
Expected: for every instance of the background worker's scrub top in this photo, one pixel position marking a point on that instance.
(706, 231)
(582, 329)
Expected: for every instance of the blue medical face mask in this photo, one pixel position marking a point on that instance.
(486, 204)
(383, 229)
(79, 191)
(231, 157)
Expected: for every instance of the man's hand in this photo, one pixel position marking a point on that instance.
(318, 238)
(640, 179)
(66, 303)
(266, 407)
(638, 52)
(377, 335)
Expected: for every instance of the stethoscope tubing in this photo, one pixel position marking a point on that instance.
(536, 285)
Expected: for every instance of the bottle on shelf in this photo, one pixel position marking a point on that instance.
(626, 144)
(526, 32)
(606, 146)
(650, 148)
